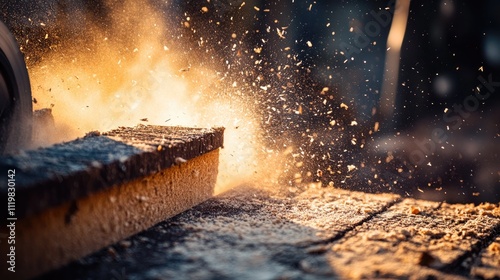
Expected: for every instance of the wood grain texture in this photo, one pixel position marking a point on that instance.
(320, 233)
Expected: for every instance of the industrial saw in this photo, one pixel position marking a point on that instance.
(16, 112)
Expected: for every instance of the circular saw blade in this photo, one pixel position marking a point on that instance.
(16, 110)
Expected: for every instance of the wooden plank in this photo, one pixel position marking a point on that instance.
(320, 233)
(416, 238)
(52, 176)
(248, 233)
(487, 265)
(75, 198)
(332, 212)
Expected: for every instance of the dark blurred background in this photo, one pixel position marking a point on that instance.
(318, 72)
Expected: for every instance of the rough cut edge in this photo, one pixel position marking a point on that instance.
(68, 232)
(69, 171)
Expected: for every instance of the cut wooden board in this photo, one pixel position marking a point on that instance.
(321, 233)
(77, 197)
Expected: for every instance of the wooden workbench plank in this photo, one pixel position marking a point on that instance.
(247, 233)
(334, 211)
(487, 265)
(320, 233)
(415, 238)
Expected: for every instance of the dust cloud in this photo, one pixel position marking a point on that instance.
(131, 70)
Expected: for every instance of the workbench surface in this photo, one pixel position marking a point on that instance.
(313, 233)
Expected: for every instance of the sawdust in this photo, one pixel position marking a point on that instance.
(488, 264)
(311, 233)
(400, 243)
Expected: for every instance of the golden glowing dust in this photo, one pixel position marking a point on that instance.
(121, 77)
